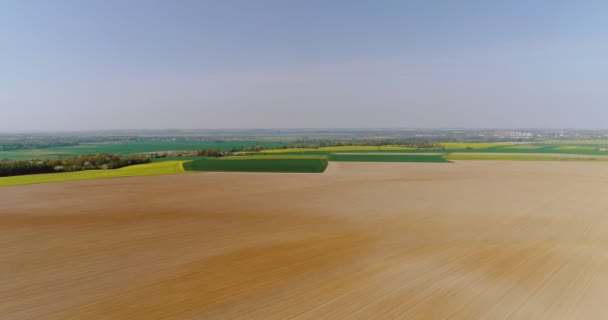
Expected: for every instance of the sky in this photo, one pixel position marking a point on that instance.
(94, 65)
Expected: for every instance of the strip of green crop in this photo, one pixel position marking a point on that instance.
(313, 165)
(387, 158)
(150, 169)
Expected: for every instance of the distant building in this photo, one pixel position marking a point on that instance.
(515, 134)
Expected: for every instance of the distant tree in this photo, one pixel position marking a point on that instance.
(83, 162)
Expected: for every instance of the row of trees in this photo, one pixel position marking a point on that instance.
(79, 163)
(202, 153)
(210, 153)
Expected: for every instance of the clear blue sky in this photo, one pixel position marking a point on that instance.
(72, 65)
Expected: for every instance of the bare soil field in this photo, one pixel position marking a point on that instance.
(466, 240)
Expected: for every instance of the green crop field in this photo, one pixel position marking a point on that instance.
(589, 147)
(259, 164)
(160, 168)
(387, 158)
(126, 148)
(297, 159)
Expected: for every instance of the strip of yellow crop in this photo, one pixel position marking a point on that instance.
(273, 157)
(523, 147)
(474, 145)
(149, 169)
(291, 150)
(576, 148)
(365, 148)
(575, 142)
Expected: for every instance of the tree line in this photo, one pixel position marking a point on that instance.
(210, 153)
(201, 153)
(78, 163)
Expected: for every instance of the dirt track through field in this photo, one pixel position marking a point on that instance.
(466, 240)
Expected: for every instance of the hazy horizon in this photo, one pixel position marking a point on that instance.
(149, 65)
(293, 130)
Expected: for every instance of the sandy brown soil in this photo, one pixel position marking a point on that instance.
(468, 240)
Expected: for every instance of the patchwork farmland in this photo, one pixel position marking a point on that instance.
(364, 240)
(315, 160)
(593, 147)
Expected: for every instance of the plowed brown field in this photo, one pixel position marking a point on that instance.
(467, 240)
